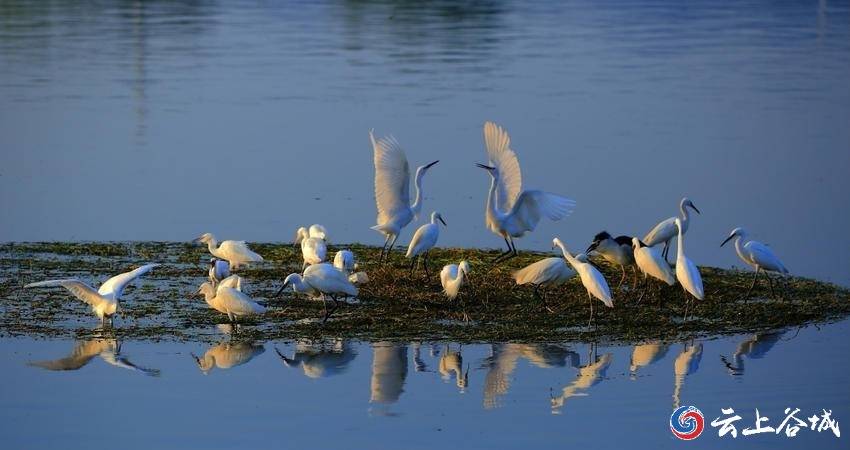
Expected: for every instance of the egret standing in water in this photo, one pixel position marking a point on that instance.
(392, 190)
(547, 272)
(104, 301)
(757, 255)
(616, 250)
(227, 299)
(424, 240)
(512, 212)
(650, 261)
(686, 271)
(591, 278)
(665, 231)
(452, 278)
(235, 252)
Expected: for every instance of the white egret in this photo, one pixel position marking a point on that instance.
(228, 300)
(392, 190)
(313, 251)
(650, 261)
(686, 271)
(616, 250)
(591, 278)
(757, 255)
(315, 230)
(235, 252)
(513, 212)
(233, 281)
(322, 280)
(452, 278)
(344, 261)
(424, 240)
(104, 301)
(665, 231)
(219, 270)
(547, 272)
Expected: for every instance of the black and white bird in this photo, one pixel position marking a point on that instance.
(616, 250)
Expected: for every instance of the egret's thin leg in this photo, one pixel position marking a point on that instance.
(634, 269)
(384, 248)
(590, 300)
(390, 248)
(755, 278)
(499, 258)
(770, 281)
(513, 245)
(643, 290)
(425, 263)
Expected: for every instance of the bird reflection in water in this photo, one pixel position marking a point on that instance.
(451, 364)
(389, 371)
(107, 348)
(754, 347)
(646, 354)
(320, 359)
(227, 355)
(687, 363)
(503, 359)
(589, 375)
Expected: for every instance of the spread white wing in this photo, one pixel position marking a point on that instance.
(532, 205)
(114, 286)
(80, 290)
(504, 159)
(392, 178)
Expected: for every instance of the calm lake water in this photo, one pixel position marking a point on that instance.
(162, 120)
(158, 120)
(417, 395)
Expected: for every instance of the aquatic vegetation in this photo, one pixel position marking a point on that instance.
(393, 305)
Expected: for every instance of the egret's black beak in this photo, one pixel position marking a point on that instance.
(727, 240)
(441, 220)
(429, 165)
(283, 288)
(592, 247)
(695, 209)
(484, 167)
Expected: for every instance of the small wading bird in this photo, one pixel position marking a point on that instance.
(219, 270)
(512, 212)
(104, 301)
(235, 252)
(665, 231)
(424, 240)
(591, 278)
(651, 263)
(392, 190)
(313, 251)
(345, 262)
(315, 230)
(616, 250)
(686, 271)
(757, 255)
(452, 278)
(226, 298)
(320, 280)
(547, 272)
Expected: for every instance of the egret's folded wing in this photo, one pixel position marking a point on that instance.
(80, 290)
(763, 255)
(233, 281)
(116, 284)
(392, 178)
(534, 204)
(498, 145)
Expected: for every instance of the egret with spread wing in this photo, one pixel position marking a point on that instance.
(511, 211)
(392, 190)
(104, 301)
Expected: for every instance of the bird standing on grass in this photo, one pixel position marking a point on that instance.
(320, 280)
(650, 261)
(452, 278)
(392, 190)
(104, 301)
(547, 272)
(665, 231)
(757, 255)
(235, 252)
(591, 278)
(512, 212)
(227, 299)
(424, 240)
(616, 250)
(686, 271)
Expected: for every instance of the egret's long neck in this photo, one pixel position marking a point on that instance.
(739, 247)
(212, 243)
(685, 216)
(209, 296)
(567, 255)
(680, 252)
(492, 211)
(416, 207)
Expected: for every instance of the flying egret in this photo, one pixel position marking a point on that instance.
(511, 211)
(219, 270)
(235, 252)
(591, 278)
(650, 261)
(315, 230)
(686, 271)
(665, 231)
(228, 300)
(547, 272)
(322, 280)
(313, 251)
(757, 255)
(424, 240)
(392, 190)
(104, 301)
(452, 278)
(616, 250)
